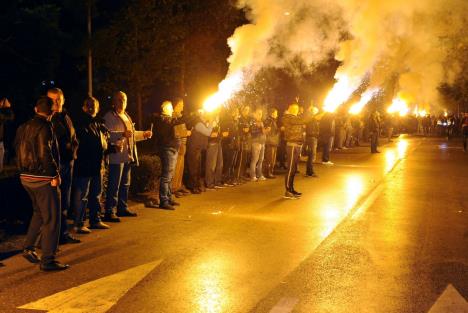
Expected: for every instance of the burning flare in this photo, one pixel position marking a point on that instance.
(400, 106)
(365, 98)
(226, 89)
(341, 92)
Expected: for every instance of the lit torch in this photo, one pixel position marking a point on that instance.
(341, 92)
(226, 89)
(365, 98)
(400, 106)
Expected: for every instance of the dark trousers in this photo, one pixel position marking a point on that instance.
(327, 144)
(270, 159)
(242, 162)
(374, 141)
(168, 163)
(66, 174)
(230, 156)
(118, 185)
(86, 193)
(46, 218)
(293, 153)
(311, 152)
(465, 137)
(194, 167)
(214, 165)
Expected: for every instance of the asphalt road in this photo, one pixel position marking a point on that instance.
(374, 233)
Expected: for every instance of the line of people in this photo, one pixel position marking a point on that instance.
(60, 163)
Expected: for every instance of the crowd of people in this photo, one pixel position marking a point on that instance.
(61, 159)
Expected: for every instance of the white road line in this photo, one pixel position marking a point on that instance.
(285, 305)
(450, 301)
(97, 296)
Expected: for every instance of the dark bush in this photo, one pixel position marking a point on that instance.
(145, 178)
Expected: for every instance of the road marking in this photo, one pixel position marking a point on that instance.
(285, 305)
(97, 296)
(450, 301)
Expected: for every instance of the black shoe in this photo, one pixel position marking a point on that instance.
(68, 239)
(126, 213)
(167, 207)
(296, 193)
(99, 225)
(111, 218)
(31, 256)
(173, 203)
(53, 266)
(290, 195)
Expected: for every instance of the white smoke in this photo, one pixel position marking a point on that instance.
(398, 38)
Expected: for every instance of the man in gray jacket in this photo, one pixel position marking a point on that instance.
(124, 137)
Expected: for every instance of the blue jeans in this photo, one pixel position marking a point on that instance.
(118, 184)
(87, 193)
(256, 161)
(168, 162)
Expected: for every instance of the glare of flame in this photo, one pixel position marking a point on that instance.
(419, 113)
(226, 89)
(400, 106)
(445, 113)
(341, 92)
(365, 98)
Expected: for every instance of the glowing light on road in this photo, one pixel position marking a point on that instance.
(365, 98)
(339, 94)
(226, 89)
(399, 106)
(402, 148)
(210, 278)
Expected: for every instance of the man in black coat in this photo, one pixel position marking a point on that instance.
(38, 162)
(87, 177)
(68, 144)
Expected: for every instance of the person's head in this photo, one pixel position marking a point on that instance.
(245, 111)
(258, 114)
(313, 110)
(293, 108)
(274, 113)
(166, 108)
(4, 103)
(179, 105)
(91, 106)
(235, 113)
(56, 94)
(119, 101)
(44, 106)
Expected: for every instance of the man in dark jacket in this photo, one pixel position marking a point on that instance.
(272, 142)
(374, 129)
(230, 145)
(327, 133)
(68, 144)
(167, 147)
(245, 122)
(38, 162)
(312, 135)
(87, 178)
(197, 142)
(294, 136)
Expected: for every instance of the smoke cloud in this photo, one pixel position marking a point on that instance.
(406, 41)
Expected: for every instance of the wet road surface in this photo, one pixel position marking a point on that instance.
(374, 233)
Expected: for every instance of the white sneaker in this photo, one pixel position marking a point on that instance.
(255, 179)
(262, 178)
(328, 163)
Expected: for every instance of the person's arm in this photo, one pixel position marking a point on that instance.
(203, 129)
